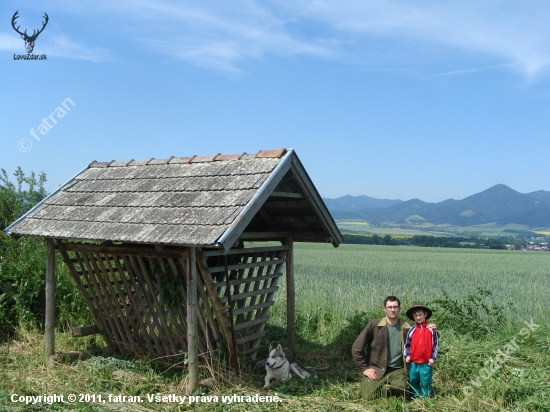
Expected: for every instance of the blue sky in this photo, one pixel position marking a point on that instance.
(390, 99)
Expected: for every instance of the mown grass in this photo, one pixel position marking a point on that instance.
(520, 384)
(338, 291)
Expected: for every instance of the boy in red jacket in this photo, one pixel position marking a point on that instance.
(421, 348)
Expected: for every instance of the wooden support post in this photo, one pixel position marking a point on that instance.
(192, 342)
(290, 298)
(49, 344)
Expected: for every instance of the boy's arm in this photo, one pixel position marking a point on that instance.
(435, 344)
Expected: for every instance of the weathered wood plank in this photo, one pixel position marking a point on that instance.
(245, 274)
(164, 331)
(258, 278)
(133, 332)
(87, 298)
(246, 265)
(222, 320)
(267, 219)
(102, 300)
(268, 297)
(144, 304)
(252, 308)
(209, 314)
(290, 298)
(156, 310)
(251, 293)
(171, 313)
(81, 331)
(192, 336)
(264, 235)
(109, 299)
(142, 331)
(219, 252)
(117, 315)
(244, 325)
(134, 250)
(49, 341)
(182, 310)
(249, 338)
(287, 194)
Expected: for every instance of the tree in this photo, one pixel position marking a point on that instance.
(21, 263)
(15, 200)
(387, 240)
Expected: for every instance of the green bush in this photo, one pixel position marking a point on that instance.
(477, 314)
(23, 265)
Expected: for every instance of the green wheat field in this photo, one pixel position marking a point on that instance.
(359, 277)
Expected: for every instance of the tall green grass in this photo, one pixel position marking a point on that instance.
(333, 283)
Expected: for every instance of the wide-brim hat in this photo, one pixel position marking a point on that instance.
(416, 306)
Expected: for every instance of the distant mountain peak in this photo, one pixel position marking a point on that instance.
(499, 203)
(349, 203)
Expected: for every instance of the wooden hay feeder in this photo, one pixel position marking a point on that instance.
(157, 249)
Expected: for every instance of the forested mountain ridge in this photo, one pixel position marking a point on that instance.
(499, 204)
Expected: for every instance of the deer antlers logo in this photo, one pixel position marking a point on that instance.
(29, 40)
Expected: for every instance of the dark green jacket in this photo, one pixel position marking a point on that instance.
(375, 338)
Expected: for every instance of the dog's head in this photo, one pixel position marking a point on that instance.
(276, 357)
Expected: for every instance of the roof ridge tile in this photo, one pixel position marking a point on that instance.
(193, 159)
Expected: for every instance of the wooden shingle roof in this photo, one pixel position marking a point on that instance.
(205, 201)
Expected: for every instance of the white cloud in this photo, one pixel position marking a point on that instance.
(217, 35)
(516, 33)
(430, 34)
(62, 46)
(10, 42)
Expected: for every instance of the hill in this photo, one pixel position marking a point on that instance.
(499, 204)
(354, 203)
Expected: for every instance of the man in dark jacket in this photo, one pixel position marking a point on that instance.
(383, 368)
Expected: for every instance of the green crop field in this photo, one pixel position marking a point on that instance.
(358, 277)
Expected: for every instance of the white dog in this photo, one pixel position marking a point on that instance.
(279, 367)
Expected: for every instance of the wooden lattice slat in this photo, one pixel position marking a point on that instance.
(253, 277)
(124, 288)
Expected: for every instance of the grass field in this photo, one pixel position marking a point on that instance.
(337, 292)
(358, 277)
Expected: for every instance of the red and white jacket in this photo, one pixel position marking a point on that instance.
(421, 343)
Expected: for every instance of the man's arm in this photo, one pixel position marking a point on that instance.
(433, 327)
(407, 349)
(364, 339)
